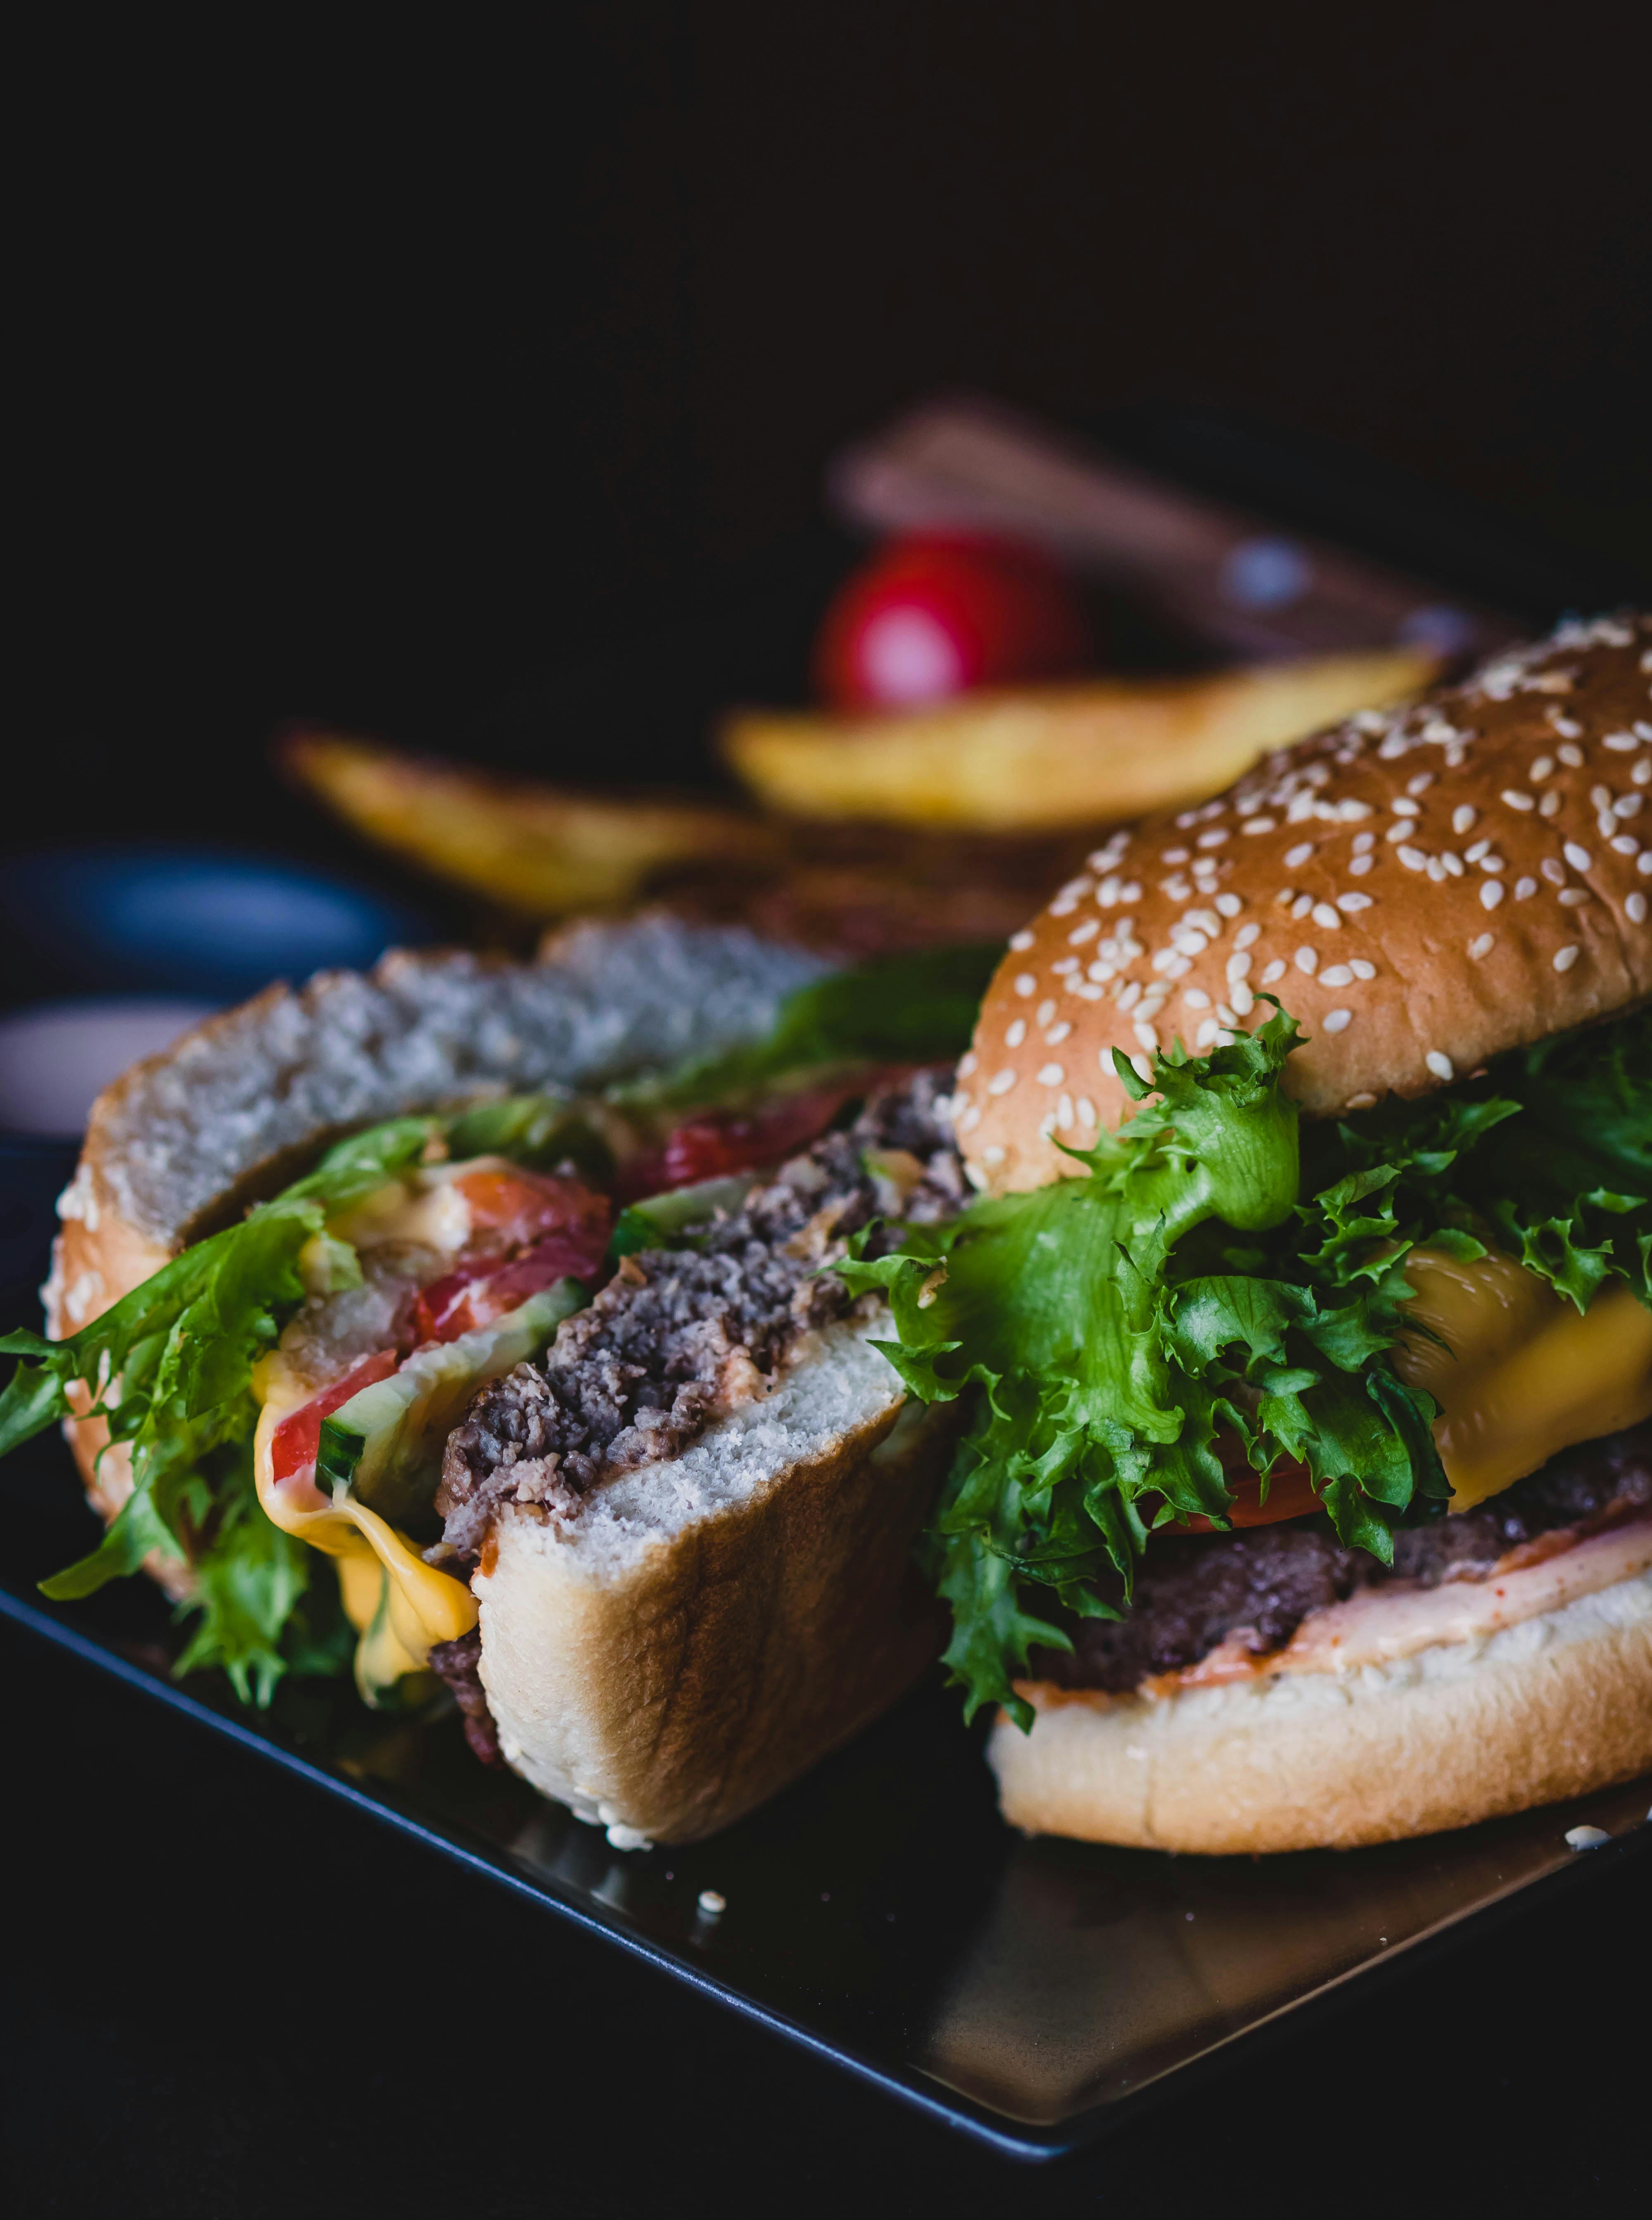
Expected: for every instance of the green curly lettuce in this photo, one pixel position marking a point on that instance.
(1211, 1275)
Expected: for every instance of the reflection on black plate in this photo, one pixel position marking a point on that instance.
(1027, 1992)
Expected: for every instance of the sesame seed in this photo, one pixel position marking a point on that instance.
(1420, 782)
(1363, 1100)
(1063, 906)
(967, 1064)
(1482, 944)
(1412, 858)
(711, 1904)
(1635, 907)
(1144, 1069)
(1020, 942)
(1440, 1065)
(1080, 933)
(1057, 1034)
(1130, 892)
(1462, 819)
(1238, 966)
(1086, 1111)
(1302, 907)
(1627, 805)
(1540, 769)
(1015, 1034)
(1230, 905)
(1359, 865)
(969, 1118)
(1571, 757)
(1622, 743)
(1602, 797)
(1206, 1033)
(1553, 870)
(1229, 1016)
(1176, 855)
(1481, 848)
(1578, 858)
(1401, 808)
(1350, 812)
(1550, 804)
(1213, 839)
(1026, 984)
(1491, 893)
(1001, 1083)
(1324, 914)
(1064, 1111)
(1572, 897)
(1295, 857)
(1352, 904)
(1436, 868)
(1128, 996)
(1518, 800)
(1258, 824)
(1364, 842)
(1451, 861)
(1643, 861)
(1247, 936)
(1338, 974)
(1307, 960)
(1045, 1011)
(1051, 1075)
(1275, 970)
(1625, 844)
(1196, 999)
(1566, 957)
(1399, 830)
(1524, 889)
(995, 1155)
(1285, 894)
(1337, 1021)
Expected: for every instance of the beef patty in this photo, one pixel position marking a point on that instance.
(679, 1334)
(1192, 1593)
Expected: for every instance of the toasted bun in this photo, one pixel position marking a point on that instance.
(1550, 1708)
(706, 1628)
(1421, 888)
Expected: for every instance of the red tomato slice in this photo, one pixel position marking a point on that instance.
(510, 1208)
(298, 1437)
(1290, 1495)
(484, 1288)
(723, 1141)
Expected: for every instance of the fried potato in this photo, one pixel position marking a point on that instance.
(1037, 758)
(540, 850)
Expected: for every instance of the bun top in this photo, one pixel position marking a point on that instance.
(1420, 887)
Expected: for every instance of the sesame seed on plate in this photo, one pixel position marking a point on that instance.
(1482, 944)
(1635, 907)
(1440, 1065)
(1337, 1021)
(1566, 957)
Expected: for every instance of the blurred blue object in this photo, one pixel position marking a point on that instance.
(203, 922)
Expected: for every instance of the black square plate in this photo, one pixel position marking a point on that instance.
(1030, 1994)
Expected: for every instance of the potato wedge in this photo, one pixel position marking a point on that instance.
(1037, 758)
(540, 850)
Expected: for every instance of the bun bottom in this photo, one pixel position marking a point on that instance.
(1550, 1708)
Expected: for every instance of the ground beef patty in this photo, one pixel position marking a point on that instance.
(1193, 1592)
(679, 1334)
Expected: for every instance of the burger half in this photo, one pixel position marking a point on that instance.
(1303, 1324)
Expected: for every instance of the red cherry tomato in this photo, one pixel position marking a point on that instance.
(935, 612)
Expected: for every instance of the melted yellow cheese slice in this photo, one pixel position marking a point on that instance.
(398, 1605)
(1523, 1374)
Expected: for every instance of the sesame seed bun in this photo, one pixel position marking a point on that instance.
(1421, 888)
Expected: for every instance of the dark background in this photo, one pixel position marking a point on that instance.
(451, 390)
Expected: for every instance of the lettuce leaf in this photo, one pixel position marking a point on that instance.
(1214, 1272)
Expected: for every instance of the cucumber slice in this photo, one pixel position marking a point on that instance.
(662, 1218)
(386, 1444)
